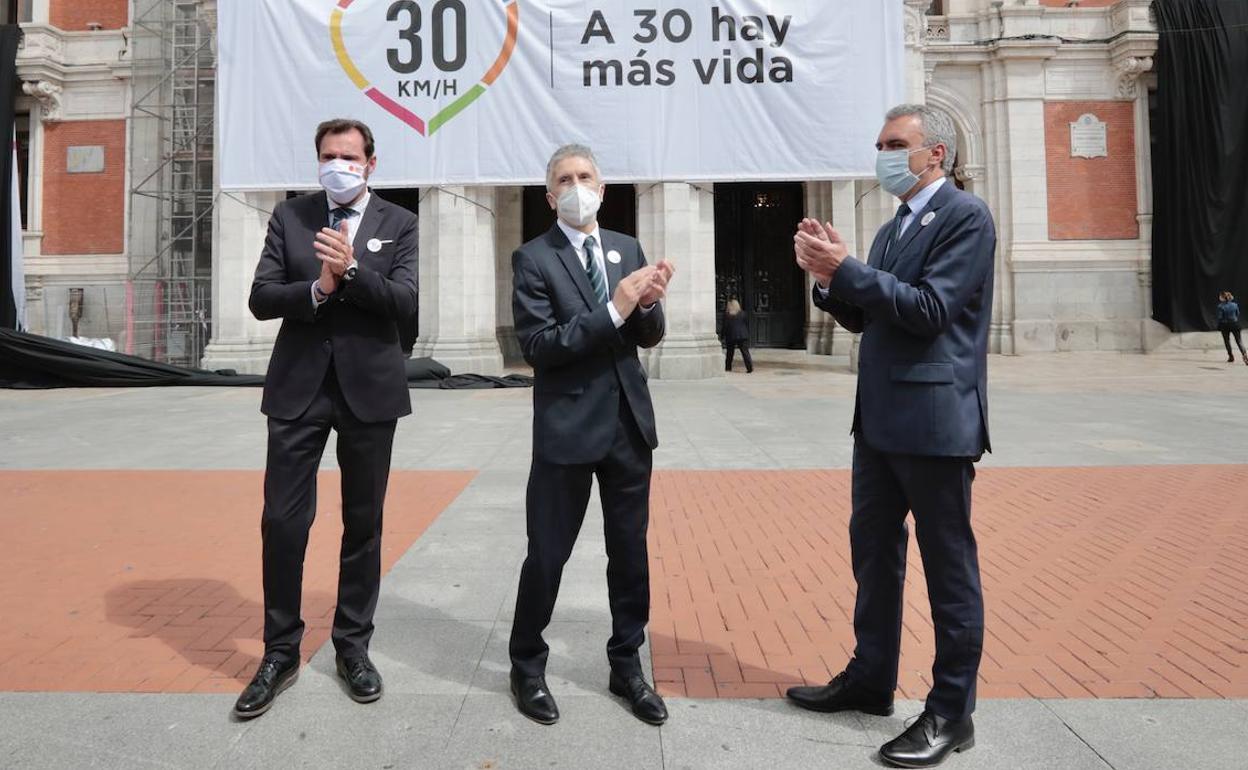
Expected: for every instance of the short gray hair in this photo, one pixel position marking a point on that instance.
(937, 128)
(570, 151)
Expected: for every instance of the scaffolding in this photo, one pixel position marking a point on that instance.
(169, 291)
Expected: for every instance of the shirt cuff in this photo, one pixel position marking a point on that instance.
(616, 318)
(646, 308)
(822, 291)
(316, 300)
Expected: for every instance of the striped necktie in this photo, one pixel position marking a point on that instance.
(597, 281)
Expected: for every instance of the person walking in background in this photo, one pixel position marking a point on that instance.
(737, 335)
(1228, 324)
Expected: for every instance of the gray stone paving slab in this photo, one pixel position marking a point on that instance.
(1161, 734)
(444, 593)
(593, 732)
(414, 656)
(326, 730)
(750, 734)
(63, 730)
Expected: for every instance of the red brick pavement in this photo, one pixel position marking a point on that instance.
(1098, 582)
(128, 581)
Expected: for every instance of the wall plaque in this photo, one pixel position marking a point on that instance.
(1088, 138)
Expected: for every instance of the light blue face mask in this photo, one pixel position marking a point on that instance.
(892, 168)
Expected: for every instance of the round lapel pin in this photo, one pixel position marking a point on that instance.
(613, 257)
(927, 218)
(374, 244)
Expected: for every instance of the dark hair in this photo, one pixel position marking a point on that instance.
(342, 126)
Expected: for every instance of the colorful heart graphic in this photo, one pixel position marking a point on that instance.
(399, 111)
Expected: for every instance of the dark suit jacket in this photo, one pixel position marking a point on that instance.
(924, 311)
(581, 362)
(356, 329)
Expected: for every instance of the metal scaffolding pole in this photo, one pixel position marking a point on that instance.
(168, 298)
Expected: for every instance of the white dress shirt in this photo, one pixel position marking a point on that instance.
(577, 239)
(353, 224)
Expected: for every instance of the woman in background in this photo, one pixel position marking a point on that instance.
(737, 335)
(1228, 324)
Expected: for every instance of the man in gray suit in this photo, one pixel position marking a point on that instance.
(339, 269)
(922, 302)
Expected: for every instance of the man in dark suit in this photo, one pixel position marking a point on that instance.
(585, 300)
(922, 302)
(339, 269)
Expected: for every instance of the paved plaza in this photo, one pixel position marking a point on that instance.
(1112, 540)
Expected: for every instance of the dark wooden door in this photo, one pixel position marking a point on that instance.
(754, 260)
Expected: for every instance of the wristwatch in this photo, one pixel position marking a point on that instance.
(352, 269)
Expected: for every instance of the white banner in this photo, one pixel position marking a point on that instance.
(482, 91)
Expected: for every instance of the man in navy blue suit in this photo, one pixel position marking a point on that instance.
(922, 302)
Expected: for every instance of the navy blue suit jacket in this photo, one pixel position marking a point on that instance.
(582, 365)
(923, 310)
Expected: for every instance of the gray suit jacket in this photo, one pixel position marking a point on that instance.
(582, 365)
(356, 329)
(923, 310)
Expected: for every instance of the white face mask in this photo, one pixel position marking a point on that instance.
(343, 180)
(578, 205)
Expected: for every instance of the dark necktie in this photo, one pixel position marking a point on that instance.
(336, 216)
(903, 211)
(597, 281)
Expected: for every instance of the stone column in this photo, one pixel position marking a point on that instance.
(820, 328)
(239, 341)
(1014, 89)
(508, 235)
(677, 221)
(845, 219)
(457, 287)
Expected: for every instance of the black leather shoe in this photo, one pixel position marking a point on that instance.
(842, 694)
(272, 677)
(533, 698)
(363, 681)
(928, 741)
(646, 703)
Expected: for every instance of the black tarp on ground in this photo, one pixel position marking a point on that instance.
(31, 361)
(10, 34)
(1200, 160)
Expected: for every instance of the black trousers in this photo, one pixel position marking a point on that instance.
(295, 449)
(938, 492)
(1227, 333)
(555, 507)
(745, 355)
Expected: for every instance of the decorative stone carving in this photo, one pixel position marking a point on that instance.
(937, 28)
(1129, 70)
(48, 94)
(38, 44)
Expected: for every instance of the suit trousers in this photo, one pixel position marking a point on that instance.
(937, 490)
(294, 453)
(555, 507)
